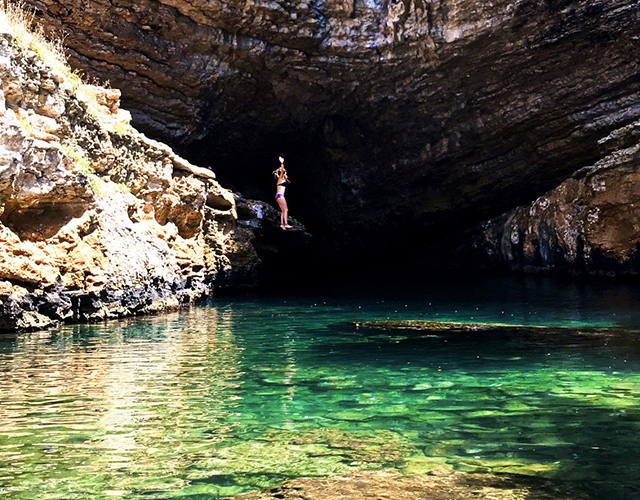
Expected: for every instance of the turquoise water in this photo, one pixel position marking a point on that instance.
(248, 391)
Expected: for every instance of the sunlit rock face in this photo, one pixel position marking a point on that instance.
(401, 121)
(98, 221)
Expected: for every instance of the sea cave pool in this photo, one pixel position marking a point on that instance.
(248, 391)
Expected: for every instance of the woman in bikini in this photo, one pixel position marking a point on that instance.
(281, 185)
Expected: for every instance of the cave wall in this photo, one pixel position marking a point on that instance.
(401, 121)
(589, 224)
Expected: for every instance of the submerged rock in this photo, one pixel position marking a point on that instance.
(440, 485)
(453, 326)
(412, 327)
(616, 337)
(270, 458)
(435, 326)
(362, 448)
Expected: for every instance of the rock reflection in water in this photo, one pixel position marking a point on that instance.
(117, 406)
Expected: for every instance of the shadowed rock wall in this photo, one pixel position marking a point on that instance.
(588, 224)
(402, 121)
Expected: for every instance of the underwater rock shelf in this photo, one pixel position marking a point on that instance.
(454, 327)
(537, 336)
(440, 485)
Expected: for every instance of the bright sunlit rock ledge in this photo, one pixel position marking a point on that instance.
(96, 220)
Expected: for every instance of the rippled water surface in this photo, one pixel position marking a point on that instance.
(246, 392)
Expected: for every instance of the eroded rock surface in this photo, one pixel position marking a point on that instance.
(401, 120)
(97, 220)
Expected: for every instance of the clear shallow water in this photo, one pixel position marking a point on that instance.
(246, 392)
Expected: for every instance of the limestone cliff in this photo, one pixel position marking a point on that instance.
(96, 220)
(403, 120)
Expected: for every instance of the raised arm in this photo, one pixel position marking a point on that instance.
(282, 172)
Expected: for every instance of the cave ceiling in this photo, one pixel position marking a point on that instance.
(400, 120)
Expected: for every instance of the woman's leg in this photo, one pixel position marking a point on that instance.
(283, 212)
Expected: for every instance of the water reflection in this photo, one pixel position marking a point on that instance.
(116, 407)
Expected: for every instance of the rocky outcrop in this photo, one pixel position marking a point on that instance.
(589, 224)
(96, 220)
(402, 120)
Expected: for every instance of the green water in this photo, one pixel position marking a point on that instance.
(247, 392)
